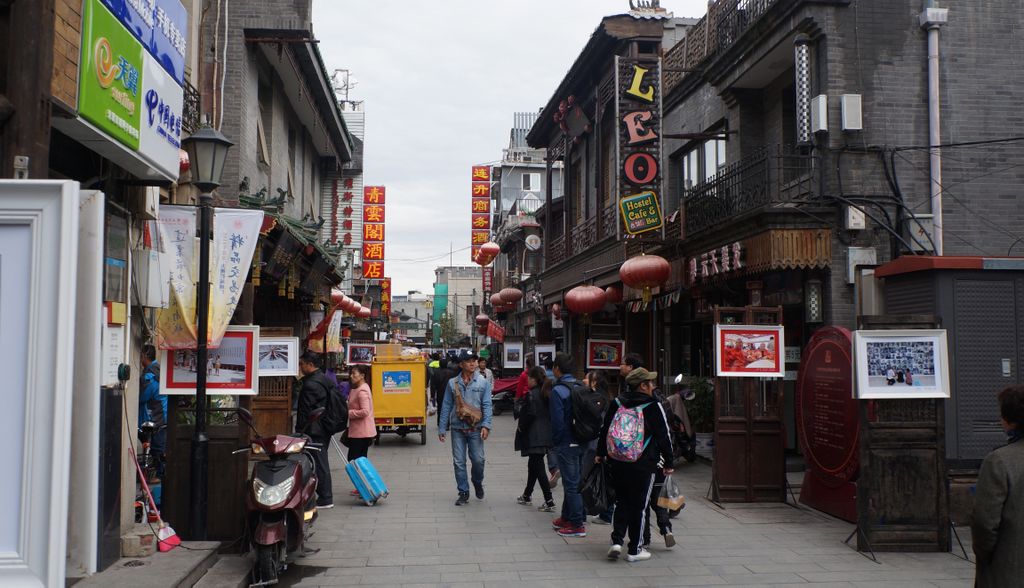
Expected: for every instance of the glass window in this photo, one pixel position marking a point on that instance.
(531, 182)
(701, 163)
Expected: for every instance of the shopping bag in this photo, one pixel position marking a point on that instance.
(671, 498)
(597, 492)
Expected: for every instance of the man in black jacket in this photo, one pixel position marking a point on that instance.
(445, 371)
(634, 481)
(313, 395)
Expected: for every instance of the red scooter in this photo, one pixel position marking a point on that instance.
(280, 500)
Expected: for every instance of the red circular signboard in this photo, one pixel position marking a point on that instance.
(827, 417)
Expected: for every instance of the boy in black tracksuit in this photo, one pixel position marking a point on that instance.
(634, 481)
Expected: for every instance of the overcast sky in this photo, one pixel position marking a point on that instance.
(441, 81)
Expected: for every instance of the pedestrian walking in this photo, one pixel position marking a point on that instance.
(361, 427)
(486, 372)
(522, 386)
(568, 451)
(595, 380)
(997, 525)
(635, 441)
(445, 371)
(313, 395)
(466, 410)
(153, 406)
(533, 437)
(553, 473)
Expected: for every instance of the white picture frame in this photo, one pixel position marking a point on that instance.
(38, 274)
(278, 356)
(542, 352)
(512, 355)
(883, 359)
(360, 353)
(237, 373)
(750, 351)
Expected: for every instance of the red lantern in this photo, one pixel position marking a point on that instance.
(645, 272)
(613, 294)
(337, 296)
(488, 251)
(585, 299)
(482, 319)
(496, 299)
(510, 295)
(363, 313)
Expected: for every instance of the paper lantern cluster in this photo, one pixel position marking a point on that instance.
(644, 272)
(488, 251)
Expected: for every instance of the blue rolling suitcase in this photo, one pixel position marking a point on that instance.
(364, 477)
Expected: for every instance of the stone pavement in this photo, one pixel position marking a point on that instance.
(419, 538)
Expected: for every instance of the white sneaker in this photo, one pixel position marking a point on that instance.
(643, 555)
(614, 552)
(597, 520)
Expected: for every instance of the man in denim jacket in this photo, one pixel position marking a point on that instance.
(476, 391)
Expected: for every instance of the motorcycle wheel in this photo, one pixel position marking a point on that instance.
(266, 564)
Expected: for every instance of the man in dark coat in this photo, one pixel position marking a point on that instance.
(313, 395)
(997, 525)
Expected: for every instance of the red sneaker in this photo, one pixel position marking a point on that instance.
(573, 531)
(560, 523)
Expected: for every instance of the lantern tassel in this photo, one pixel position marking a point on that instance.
(646, 295)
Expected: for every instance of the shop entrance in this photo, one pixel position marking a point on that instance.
(749, 463)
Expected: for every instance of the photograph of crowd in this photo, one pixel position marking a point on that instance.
(905, 363)
(749, 351)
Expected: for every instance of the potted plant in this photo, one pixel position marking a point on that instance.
(702, 410)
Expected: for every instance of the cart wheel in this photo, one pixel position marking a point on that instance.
(423, 435)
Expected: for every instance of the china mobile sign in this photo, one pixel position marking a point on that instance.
(638, 173)
(130, 91)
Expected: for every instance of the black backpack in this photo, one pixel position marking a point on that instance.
(335, 418)
(588, 407)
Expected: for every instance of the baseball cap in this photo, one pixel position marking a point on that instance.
(467, 356)
(635, 377)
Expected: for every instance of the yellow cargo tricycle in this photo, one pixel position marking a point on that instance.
(399, 394)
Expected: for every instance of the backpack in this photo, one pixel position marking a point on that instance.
(626, 439)
(335, 418)
(588, 408)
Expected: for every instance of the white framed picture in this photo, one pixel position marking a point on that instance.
(901, 364)
(279, 356)
(232, 368)
(543, 354)
(360, 354)
(39, 236)
(750, 351)
(513, 355)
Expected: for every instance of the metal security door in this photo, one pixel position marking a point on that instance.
(749, 464)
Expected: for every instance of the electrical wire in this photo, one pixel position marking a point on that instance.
(961, 144)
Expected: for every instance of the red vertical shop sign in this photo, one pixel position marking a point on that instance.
(480, 202)
(487, 282)
(373, 233)
(385, 297)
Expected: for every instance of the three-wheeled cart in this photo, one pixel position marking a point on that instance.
(399, 395)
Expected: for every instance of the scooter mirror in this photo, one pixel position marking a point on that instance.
(246, 417)
(689, 394)
(679, 379)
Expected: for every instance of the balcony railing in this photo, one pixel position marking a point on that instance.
(769, 176)
(190, 110)
(584, 235)
(609, 220)
(725, 22)
(556, 250)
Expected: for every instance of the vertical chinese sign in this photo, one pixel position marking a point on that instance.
(639, 177)
(373, 232)
(385, 299)
(487, 285)
(480, 228)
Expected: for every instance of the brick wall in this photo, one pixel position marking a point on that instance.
(67, 43)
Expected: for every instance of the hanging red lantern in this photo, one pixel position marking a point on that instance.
(613, 294)
(510, 295)
(488, 251)
(585, 299)
(482, 319)
(346, 333)
(337, 296)
(644, 272)
(496, 299)
(363, 313)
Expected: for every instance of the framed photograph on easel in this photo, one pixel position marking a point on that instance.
(232, 368)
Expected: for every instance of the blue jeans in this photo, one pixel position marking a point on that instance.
(460, 441)
(570, 462)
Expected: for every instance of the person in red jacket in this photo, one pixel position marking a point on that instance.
(522, 386)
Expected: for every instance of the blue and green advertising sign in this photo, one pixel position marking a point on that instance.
(110, 75)
(162, 28)
(640, 212)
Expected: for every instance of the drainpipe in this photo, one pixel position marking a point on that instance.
(932, 19)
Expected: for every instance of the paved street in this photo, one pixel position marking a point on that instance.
(419, 538)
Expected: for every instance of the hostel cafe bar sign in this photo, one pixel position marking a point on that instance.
(131, 76)
(638, 115)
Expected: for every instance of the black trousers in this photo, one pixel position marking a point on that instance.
(535, 473)
(633, 490)
(324, 488)
(660, 513)
(358, 447)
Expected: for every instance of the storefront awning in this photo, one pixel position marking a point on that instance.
(781, 249)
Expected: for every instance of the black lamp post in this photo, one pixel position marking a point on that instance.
(207, 150)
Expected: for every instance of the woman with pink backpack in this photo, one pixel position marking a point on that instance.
(635, 441)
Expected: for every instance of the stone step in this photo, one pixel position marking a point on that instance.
(230, 571)
(183, 566)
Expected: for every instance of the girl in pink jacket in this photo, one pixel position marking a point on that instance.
(361, 428)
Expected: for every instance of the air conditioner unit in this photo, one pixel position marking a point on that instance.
(819, 114)
(853, 119)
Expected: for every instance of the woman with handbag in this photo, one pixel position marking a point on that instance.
(533, 437)
(361, 428)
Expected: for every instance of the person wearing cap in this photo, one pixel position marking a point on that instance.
(634, 481)
(476, 392)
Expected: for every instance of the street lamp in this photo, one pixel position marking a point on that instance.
(207, 150)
